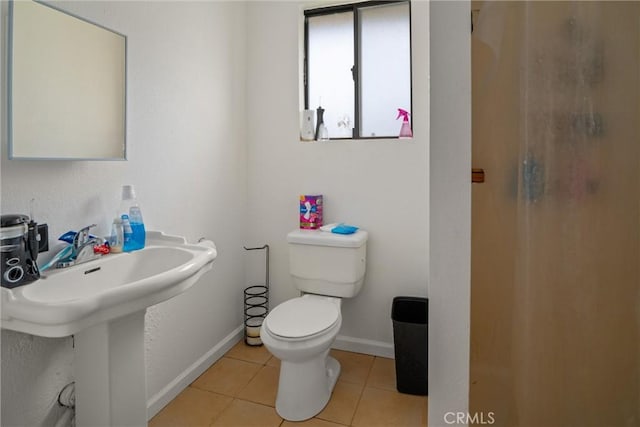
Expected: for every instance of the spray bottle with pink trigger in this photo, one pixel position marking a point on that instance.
(405, 130)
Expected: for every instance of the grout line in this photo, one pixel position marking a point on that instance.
(366, 380)
(357, 404)
(262, 404)
(364, 386)
(245, 360)
(223, 409)
(257, 403)
(240, 389)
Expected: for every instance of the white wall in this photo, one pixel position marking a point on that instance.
(450, 209)
(379, 185)
(188, 161)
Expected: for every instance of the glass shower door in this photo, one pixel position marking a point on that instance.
(555, 318)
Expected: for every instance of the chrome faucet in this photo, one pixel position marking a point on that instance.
(82, 248)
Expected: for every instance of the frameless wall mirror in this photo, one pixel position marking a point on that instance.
(67, 86)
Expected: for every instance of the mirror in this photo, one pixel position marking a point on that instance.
(67, 86)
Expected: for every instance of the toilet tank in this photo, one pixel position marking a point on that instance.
(326, 263)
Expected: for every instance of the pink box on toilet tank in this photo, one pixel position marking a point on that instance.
(311, 211)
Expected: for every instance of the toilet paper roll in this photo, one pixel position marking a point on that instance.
(253, 341)
(253, 331)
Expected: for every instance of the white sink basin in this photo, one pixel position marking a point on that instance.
(103, 304)
(66, 301)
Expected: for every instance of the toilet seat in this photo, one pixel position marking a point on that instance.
(302, 317)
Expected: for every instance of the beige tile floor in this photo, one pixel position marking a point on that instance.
(240, 390)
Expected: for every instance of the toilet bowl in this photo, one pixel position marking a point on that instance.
(300, 332)
(326, 267)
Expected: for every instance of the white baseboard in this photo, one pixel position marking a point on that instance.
(171, 390)
(359, 345)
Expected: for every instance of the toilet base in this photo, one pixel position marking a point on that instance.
(305, 388)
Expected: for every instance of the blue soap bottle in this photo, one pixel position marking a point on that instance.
(131, 208)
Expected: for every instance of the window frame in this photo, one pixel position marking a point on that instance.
(355, 70)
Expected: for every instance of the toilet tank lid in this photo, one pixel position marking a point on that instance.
(325, 238)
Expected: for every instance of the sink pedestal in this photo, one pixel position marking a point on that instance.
(111, 387)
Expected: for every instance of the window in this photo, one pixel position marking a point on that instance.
(358, 67)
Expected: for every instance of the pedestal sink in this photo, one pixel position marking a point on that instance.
(103, 303)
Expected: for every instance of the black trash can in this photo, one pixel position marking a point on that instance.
(410, 338)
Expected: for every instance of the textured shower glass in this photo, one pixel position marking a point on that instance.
(555, 316)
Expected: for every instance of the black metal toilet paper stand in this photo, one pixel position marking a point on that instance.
(256, 304)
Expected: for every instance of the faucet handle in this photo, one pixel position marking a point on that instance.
(82, 236)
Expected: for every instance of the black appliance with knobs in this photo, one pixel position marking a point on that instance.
(20, 241)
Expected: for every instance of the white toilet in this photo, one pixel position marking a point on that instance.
(326, 267)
